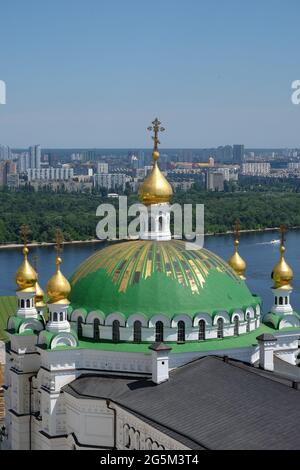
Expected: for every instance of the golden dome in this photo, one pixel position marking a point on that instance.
(39, 296)
(155, 189)
(26, 276)
(282, 274)
(58, 287)
(237, 263)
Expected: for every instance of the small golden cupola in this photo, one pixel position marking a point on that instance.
(236, 261)
(58, 287)
(26, 275)
(155, 189)
(282, 274)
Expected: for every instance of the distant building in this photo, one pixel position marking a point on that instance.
(215, 181)
(7, 168)
(35, 156)
(102, 167)
(48, 174)
(5, 152)
(110, 180)
(256, 168)
(238, 154)
(294, 166)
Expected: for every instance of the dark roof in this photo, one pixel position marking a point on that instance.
(159, 347)
(266, 337)
(208, 403)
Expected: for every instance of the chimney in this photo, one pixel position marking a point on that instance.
(160, 362)
(267, 345)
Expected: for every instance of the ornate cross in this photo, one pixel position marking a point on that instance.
(58, 241)
(283, 230)
(156, 128)
(237, 229)
(24, 232)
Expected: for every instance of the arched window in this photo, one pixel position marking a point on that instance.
(159, 331)
(126, 437)
(28, 303)
(79, 327)
(280, 300)
(137, 331)
(96, 329)
(22, 303)
(276, 300)
(236, 323)
(160, 222)
(55, 316)
(248, 322)
(202, 326)
(286, 301)
(149, 444)
(220, 328)
(61, 316)
(181, 332)
(116, 331)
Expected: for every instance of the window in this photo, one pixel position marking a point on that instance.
(28, 303)
(137, 331)
(236, 322)
(276, 300)
(96, 329)
(286, 301)
(280, 300)
(159, 331)
(248, 322)
(160, 223)
(55, 316)
(22, 303)
(79, 327)
(116, 331)
(61, 316)
(126, 437)
(220, 328)
(181, 332)
(202, 326)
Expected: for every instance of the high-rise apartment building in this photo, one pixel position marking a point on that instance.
(35, 156)
(102, 167)
(55, 174)
(7, 168)
(238, 154)
(5, 152)
(256, 168)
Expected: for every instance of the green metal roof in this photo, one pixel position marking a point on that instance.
(152, 277)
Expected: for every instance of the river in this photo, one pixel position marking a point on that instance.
(256, 248)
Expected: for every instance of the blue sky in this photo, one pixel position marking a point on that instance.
(94, 73)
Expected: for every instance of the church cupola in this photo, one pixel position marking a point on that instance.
(282, 276)
(156, 193)
(26, 278)
(58, 290)
(236, 261)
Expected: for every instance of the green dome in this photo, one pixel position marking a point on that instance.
(152, 277)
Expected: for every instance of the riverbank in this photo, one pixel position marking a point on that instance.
(96, 240)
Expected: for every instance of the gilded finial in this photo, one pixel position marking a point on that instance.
(282, 274)
(236, 261)
(26, 275)
(58, 287)
(155, 189)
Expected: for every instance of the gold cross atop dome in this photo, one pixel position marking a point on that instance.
(155, 189)
(156, 128)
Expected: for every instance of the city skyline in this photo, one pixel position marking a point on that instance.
(91, 75)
